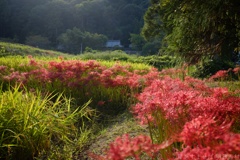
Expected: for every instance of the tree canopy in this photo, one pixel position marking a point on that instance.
(21, 19)
(195, 29)
(72, 40)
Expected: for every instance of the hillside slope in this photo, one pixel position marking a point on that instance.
(11, 49)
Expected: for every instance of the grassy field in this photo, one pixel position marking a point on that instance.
(63, 107)
(11, 49)
(160, 62)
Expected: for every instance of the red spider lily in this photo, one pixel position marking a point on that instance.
(195, 101)
(220, 74)
(100, 103)
(3, 69)
(61, 58)
(14, 76)
(32, 62)
(236, 70)
(203, 131)
(29, 56)
(230, 145)
(196, 153)
(125, 147)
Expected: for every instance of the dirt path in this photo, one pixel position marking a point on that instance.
(123, 124)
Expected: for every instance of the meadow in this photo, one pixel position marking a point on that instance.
(53, 107)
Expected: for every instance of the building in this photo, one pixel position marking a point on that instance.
(113, 43)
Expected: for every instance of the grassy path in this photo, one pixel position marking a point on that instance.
(124, 123)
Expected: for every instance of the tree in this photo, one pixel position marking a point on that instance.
(38, 41)
(72, 40)
(4, 18)
(137, 41)
(50, 18)
(18, 20)
(195, 29)
(152, 47)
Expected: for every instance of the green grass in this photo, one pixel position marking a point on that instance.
(107, 56)
(29, 121)
(20, 50)
(160, 62)
(11, 49)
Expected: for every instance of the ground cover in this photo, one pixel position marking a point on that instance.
(185, 117)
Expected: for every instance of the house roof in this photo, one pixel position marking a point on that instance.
(112, 43)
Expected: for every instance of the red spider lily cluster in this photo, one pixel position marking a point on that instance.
(223, 74)
(76, 73)
(123, 148)
(202, 119)
(220, 74)
(83, 79)
(205, 118)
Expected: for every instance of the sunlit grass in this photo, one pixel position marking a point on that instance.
(29, 122)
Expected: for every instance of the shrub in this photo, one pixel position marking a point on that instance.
(88, 49)
(210, 68)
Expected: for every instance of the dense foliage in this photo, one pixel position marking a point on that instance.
(210, 68)
(150, 47)
(71, 40)
(21, 19)
(195, 29)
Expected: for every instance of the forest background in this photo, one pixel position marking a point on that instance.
(65, 24)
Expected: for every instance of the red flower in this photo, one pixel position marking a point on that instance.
(61, 58)
(29, 56)
(100, 103)
(236, 70)
(126, 146)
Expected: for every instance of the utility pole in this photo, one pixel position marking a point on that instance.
(81, 48)
(56, 36)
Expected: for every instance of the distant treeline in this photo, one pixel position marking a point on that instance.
(50, 22)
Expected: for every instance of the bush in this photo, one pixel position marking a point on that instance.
(210, 68)
(88, 49)
(150, 49)
(159, 62)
